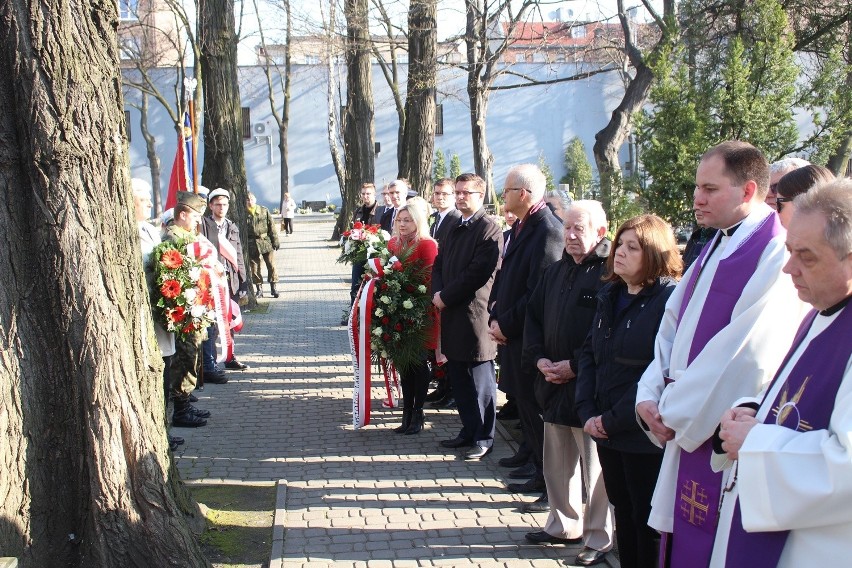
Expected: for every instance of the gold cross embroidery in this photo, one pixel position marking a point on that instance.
(786, 406)
(693, 503)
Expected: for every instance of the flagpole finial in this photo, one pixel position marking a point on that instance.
(191, 83)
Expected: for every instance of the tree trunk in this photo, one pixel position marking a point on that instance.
(838, 163)
(224, 160)
(284, 123)
(419, 136)
(86, 477)
(358, 130)
(331, 125)
(153, 158)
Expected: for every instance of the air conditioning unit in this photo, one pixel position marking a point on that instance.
(260, 128)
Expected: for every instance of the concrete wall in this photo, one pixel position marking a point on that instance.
(521, 125)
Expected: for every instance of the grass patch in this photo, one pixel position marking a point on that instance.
(239, 524)
(261, 308)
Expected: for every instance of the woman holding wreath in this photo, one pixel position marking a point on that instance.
(641, 273)
(412, 243)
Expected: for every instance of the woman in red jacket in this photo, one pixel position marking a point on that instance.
(411, 233)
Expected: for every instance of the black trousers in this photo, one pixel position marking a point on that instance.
(288, 225)
(475, 389)
(630, 479)
(415, 384)
(532, 429)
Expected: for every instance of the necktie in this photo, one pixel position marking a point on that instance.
(435, 224)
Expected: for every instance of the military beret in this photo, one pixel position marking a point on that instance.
(192, 200)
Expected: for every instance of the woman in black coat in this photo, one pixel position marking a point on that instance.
(641, 272)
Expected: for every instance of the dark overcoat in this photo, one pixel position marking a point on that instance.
(538, 245)
(463, 273)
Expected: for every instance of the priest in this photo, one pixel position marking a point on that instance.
(718, 342)
(790, 489)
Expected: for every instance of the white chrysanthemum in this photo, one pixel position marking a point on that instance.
(195, 273)
(197, 311)
(379, 312)
(421, 289)
(385, 300)
(407, 304)
(377, 331)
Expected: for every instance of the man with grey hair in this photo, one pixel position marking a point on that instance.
(535, 244)
(558, 319)
(779, 169)
(791, 489)
(397, 192)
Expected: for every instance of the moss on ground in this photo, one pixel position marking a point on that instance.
(239, 524)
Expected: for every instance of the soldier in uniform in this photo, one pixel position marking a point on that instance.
(184, 363)
(262, 242)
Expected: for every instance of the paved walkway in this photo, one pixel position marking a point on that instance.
(366, 498)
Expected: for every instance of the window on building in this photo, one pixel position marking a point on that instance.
(127, 123)
(129, 48)
(312, 59)
(520, 58)
(539, 57)
(128, 9)
(578, 31)
(246, 115)
(439, 120)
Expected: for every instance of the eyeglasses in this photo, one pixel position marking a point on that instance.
(779, 200)
(505, 189)
(463, 193)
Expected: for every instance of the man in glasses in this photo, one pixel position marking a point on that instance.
(462, 277)
(716, 344)
(777, 170)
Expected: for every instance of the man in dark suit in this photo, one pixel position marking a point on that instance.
(445, 218)
(536, 243)
(397, 192)
(461, 280)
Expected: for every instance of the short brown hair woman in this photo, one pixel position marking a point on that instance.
(642, 268)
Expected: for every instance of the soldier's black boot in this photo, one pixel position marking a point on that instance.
(272, 290)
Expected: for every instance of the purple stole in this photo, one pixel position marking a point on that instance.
(699, 488)
(804, 404)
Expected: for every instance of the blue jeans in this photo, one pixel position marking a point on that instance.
(209, 349)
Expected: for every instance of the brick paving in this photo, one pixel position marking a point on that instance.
(366, 498)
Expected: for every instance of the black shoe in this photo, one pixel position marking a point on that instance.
(540, 505)
(445, 402)
(417, 420)
(176, 440)
(477, 452)
(406, 422)
(456, 443)
(541, 537)
(193, 398)
(524, 472)
(235, 365)
(215, 378)
(451, 404)
(173, 446)
(344, 321)
(515, 461)
(273, 291)
(187, 420)
(589, 556)
(508, 411)
(531, 486)
(197, 411)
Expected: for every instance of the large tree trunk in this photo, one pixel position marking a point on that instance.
(153, 158)
(358, 130)
(85, 477)
(419, 139)
(224, 159)
(479, 80)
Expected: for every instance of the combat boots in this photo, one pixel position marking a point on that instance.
(272, 290)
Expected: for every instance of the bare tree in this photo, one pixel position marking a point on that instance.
(609, 140)
(271, 65)
(334, 133)
(419, 139)
(87, 479)
(358, 127)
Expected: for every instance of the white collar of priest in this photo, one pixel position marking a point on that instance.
(836, 307)
(730, 230)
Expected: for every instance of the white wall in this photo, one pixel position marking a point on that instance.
(522, 123)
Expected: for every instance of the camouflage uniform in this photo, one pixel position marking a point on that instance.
(262, 242)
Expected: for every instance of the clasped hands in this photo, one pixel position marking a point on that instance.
(735, 425)
(557, 373)
(649, 412)
(594, 428)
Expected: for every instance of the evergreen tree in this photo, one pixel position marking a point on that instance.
(439, 169)
(548, 173)
(578, 170)
(455, 166)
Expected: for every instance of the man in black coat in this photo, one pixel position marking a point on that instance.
(395, 196)
(445, 218)
(558, 319)
(462, 276)
(535, 244)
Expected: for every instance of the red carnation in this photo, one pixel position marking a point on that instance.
(170, 289)
(386, 337)
(385, 320)
(172, 259)
(178, 314)
(397, 327)
(347, 233)
(373, 229)
(384, 286)
(409, 288)
(397, 265)
(190, 327)
(358, 225)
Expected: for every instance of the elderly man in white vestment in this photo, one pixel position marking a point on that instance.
(790, 497)
(718, 342)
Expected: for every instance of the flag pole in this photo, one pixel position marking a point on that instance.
(191, 83)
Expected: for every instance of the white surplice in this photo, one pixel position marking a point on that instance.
(735, 363)
(796, 481)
